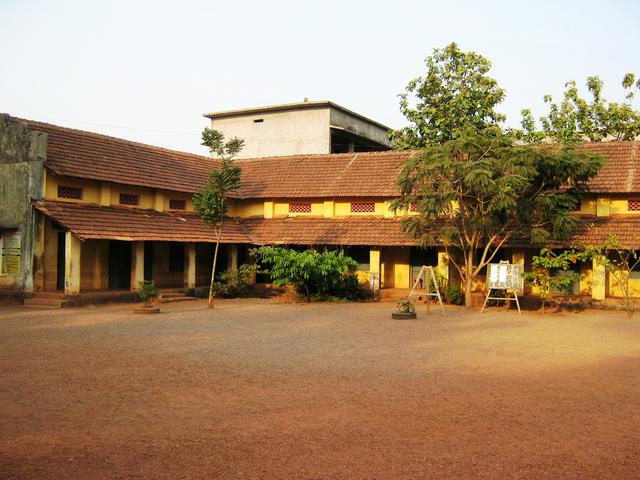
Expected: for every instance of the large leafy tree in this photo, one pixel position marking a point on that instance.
(455, 93)
(575, 118)
(210, 200)
(479, 190)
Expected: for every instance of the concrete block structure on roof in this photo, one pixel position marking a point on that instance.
(300, 129)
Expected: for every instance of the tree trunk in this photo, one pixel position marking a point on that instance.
(468, 280)
(213, 268)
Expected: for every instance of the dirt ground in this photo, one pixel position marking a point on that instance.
(262, 390)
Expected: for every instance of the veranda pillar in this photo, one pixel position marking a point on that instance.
(72, 265)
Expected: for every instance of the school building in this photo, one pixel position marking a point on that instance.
(88, 214)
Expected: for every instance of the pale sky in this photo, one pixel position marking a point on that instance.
(147, 70)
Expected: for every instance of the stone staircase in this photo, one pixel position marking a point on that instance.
(174, 296)
(46, 300)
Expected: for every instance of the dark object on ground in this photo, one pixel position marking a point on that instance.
(404, 315)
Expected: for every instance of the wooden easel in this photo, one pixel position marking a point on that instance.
(429, 274)
(506, 298)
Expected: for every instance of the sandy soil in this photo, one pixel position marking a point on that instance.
(260, 390)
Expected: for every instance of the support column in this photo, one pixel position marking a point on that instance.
(232, 257)
(374, 264)
(190, 271)
(71, 264)
(517, 258)
(137, 264)
(598, 281)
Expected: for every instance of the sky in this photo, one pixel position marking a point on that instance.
(148, 70)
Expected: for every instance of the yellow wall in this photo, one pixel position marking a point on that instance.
(397, 267)
(246, 208)
(90, 190)
(281, 208)
(343, 209)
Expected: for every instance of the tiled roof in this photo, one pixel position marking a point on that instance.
(374, 231)
(371, 174)
(83, 154)
(621, 172)
(595, 230)
(89, 221)
(77, 153)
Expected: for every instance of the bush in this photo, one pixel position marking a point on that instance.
(233, 283)
(454, 295)
(313, 274)
(147, 291)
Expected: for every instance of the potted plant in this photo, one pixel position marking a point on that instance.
(406, 310)
(148, 292)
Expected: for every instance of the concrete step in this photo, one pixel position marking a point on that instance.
(46, 302)
(178, 299)
(165, 295)
(56, 295)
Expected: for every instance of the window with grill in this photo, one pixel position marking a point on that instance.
(177, 204)
(129, 199)
(69, 192)
(363, 207)
(10, 245)
(299, 208)
(413, 207)
(633, 205)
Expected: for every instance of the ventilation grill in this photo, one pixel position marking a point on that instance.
(363, 207)
(176, 204)
(633, 205)
(299, 208)
(129, 199)
(69, 192)
(413, 207)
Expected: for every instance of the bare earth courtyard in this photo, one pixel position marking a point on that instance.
(263, 390)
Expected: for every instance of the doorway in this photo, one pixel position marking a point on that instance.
(119, 265)
(60, 268)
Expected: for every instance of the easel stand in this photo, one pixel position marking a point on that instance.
(506, 298)
(429, 275)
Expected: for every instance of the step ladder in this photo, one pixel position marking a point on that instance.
(430, 276)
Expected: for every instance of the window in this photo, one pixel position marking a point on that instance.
(413, 207)
(177, 204)
(10, 253)
(176, 257)
(129, 199)
(299, 208)
(69, 192)
(363, 207)
(633, 205)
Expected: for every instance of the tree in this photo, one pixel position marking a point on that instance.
(310, 272)
(209, 201)
(618, 261)
(454, 94)
(479, 190)
(548, 263)
(575, 119)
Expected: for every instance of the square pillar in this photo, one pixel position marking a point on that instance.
(71, 264)
(105, 194)
(598, 281)
(190, 270)
(137, 264)
(517, 258)
(232, 257)
(158, 201)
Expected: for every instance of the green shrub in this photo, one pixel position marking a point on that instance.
(147, 291)
(406, 306)
(313, 274)
(233, 283)
(454, 295)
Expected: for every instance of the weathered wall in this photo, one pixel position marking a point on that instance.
(291, 132)
(22, 156)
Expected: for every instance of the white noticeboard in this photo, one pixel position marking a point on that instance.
(504, 275)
